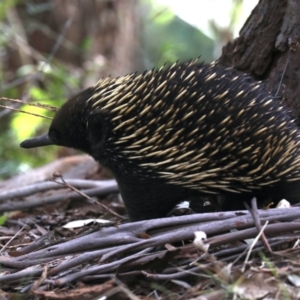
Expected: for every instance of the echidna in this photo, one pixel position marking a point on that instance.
(181, 131)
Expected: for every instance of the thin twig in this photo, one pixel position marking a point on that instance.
(40, 105)
(7, 244)
(46, 185)
(85, 196)
(25, 112)
(253, 244)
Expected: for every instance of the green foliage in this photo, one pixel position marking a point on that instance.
(161, 16)
(167, 38)
(3, 219)
(56, 81)
(236, 11)
(5, 5)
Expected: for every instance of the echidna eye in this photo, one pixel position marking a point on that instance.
(54, 135)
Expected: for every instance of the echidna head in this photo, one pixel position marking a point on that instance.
(68, 127)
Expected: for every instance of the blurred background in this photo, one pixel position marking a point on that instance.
(51, 49)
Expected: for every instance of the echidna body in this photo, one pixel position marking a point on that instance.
(181, 131)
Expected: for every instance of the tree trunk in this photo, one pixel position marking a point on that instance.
(268, 48)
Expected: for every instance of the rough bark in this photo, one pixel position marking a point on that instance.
(268, 48)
